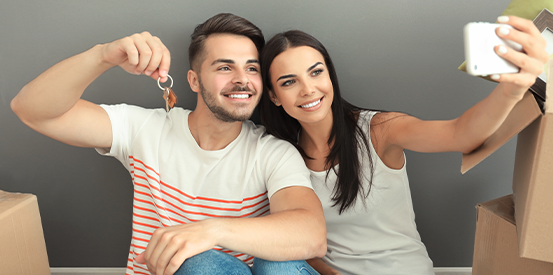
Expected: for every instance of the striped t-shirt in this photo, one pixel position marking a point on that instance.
(176, 182)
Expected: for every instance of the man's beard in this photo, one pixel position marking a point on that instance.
(221, 113)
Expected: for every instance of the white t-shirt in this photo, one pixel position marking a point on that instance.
(379, 236)
(175, 181)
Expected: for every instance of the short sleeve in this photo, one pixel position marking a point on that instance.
(126, 122)
(284, 166)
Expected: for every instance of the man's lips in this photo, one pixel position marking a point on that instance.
(238, 96)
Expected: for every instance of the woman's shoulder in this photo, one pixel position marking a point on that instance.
(378, 118)
(382, 118)
(383, 125)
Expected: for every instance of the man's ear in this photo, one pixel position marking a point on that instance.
(194, 81)
(273, 98)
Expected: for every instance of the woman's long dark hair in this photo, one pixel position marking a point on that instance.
(347, 139)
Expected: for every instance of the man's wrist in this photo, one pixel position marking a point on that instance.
(97, 53)
(217, 230)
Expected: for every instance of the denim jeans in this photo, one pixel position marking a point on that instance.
(217, 262)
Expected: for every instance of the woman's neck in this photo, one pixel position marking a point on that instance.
(313, 139)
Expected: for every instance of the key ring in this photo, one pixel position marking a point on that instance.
(170, 86)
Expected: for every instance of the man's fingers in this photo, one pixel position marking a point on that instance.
(177, 260)
(140, 53)
(171, 249)
(144, 52)
(140, 258)
(150, 255)
(160, 56)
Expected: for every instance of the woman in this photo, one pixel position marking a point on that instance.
(356, 155)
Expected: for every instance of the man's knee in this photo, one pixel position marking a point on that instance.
(264, 267)
(213, 262)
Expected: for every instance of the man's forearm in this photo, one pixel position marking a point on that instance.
(287, 235)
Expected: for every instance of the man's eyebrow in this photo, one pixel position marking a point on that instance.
(222, 60)
(230, 61)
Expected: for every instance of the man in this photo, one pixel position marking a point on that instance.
(202, 179)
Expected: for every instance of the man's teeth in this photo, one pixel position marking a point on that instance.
(240, 96)
(311, 104)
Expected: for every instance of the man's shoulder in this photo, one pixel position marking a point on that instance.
(267, 146)
(258, 132)
(139, 112)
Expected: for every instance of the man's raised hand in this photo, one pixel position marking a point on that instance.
(140, 53)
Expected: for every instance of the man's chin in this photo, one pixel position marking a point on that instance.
(230, 118)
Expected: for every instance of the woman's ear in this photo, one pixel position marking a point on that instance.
(274, 99)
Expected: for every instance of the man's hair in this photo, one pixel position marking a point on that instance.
(221, 23)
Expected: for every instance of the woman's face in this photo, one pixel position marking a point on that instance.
(302, 85)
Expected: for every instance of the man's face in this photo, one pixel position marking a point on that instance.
(229, 82)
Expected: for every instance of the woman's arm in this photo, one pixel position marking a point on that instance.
(321, 267)
(473, 127)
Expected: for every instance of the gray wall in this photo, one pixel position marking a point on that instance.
(393, 55)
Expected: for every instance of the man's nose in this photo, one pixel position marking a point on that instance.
(240, 78)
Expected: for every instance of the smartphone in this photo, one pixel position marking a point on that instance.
(480, 40)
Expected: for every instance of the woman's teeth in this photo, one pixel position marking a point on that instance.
(240, 96)
(311, 104)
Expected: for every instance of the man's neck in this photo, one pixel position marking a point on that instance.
(211, 133)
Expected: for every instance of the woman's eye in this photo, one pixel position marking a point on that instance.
(316, 72)
(287, 83)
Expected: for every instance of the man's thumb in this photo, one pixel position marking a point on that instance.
(140, 258)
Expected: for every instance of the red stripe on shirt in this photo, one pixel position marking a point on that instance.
(183, 193)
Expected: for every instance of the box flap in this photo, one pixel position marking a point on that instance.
(22, 246)
(502, 207)
(10, 200)
(532, 187)
(549, 88)
(495, 243)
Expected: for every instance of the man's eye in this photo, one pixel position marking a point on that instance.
(253, 69)
(224, 69)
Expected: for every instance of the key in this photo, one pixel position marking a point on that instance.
(168, 95)
(170, 98)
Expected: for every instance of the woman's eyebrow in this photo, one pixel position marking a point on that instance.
(286, 76)
(308, 69)
(314, 65)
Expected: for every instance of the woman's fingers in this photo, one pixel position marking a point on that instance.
(530, 60)
(526, 63)
(526, 34)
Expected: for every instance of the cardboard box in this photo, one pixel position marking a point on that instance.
(22, 246)
(533, 173)
(533, 189)
(496, 246)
